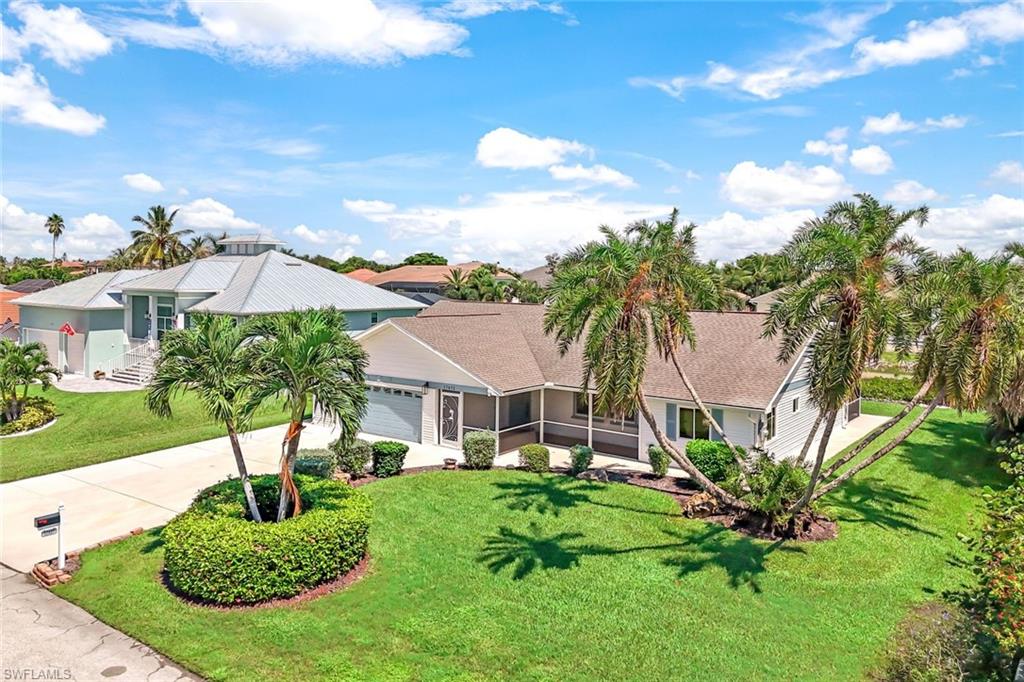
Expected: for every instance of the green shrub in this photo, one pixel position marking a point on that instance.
(353, 458)
(882, 388)
(935, 641)
(35, 412)
(774, 486)
(213, 553)
(658, 459)
(319, 463)
(388, 458)
(478, 449)
(713, 458)
(580, 458)
(535, 457)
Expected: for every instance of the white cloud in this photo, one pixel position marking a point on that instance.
(791, 184)
(24, 234)
(20, 228)
(1011, 172)
(597, 174)
(93, 236)
(910, 192)
(291, 32)
(1010, 133)
(62, 34)
(985, 226)
(473, 9)
(143, 182)
(508, 148)
(210, 214)
(27, 100)
(836, 135)
(872, 160)
(732, 235)
(288, 147)
(894, 122)
(824, 148)
(368, 207)
(322, 237)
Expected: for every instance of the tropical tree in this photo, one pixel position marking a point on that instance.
(301, 355)
(55, 226)
(121, 259)
(158, 241)
(621, 297)
(21, 366)
(527, 291)
(457, 284)
(201, 246)
(425, 258)
(852, 262)
(208, 360)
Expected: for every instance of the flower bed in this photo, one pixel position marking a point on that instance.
(36, 413)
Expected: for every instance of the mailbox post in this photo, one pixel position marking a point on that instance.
(50, 524)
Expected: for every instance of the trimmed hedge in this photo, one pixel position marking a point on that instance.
(900, 390)
(535, 457)
(315, 462)
(214, 553)
(354, 458)
(658, 459)
(478, 449)
(713, 458)
(580, 458)
(388, 458)
(35, 412)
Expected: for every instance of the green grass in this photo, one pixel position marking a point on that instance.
(98, 427)
(508, 575)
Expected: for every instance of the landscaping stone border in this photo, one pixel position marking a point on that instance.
(31, 431)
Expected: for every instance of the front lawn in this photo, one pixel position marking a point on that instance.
(509, 575)
(97, 427)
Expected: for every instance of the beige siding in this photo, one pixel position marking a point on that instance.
(394, 354)
(737, 425)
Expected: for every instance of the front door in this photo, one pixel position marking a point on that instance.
(451, 419)
(140, 309)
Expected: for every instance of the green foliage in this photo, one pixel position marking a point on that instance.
(21, 366)
(896, 389)
(36, 268)
(358, 262)
(659, 460)
(388, 458)
(758, 273)
(319, 463)
(580, 458)
(157, 241)
(934, 643)
(774, 486)
(425, 258)
(35, 412)
(213, 553)
(478, 448)
(713, 458)
(535, 457)
(353, 458)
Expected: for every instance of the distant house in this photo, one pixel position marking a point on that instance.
(9, 292)
(540, 275)
(763, 303)
(361, 274)
(428, 279)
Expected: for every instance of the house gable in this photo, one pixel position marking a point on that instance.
(396, 355)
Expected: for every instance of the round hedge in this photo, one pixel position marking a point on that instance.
(214, 553)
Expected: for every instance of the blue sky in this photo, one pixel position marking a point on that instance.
(507, 129)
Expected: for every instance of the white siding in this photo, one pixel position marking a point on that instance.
(791, 428)
(737, 425)
(429, 428)
(395, 354)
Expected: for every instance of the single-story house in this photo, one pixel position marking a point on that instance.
(463, 366)
(540, 275)
(763, 303)
(428, 279)
(115, 314)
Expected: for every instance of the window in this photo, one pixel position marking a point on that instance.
(692, 424)
(769, 427)
(580, 406)
(796, 404)
(164, 315)
(374, 317)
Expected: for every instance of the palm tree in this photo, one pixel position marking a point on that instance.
(200, 246)
(301, 355)
(616, 297)
(55, 226)
(23, 365)
(121, 259)
(158, 241)
(456, 284)
(852, 261)
(207, 359)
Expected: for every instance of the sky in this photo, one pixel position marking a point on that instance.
(504, 130)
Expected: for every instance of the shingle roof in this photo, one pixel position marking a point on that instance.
(764, 302)
(505, 346)
(540, 274)
(95, 292)
(31, 286)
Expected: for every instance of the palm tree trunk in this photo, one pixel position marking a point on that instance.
(684, 462)
(879, 430)
(54, 249)
(884, 450)
(810, 438)
(830, 423)
(289, 448)
(243, 473)
(708, 416)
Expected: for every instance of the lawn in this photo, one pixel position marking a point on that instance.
(503, 574)
(97, 427)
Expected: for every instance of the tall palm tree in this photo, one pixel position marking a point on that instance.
(208, 360)
(852, 261)
(200, 246)
(456, 284)
(619, 296)
(23, 365)
(55, 226)
(301, 355)
(158, 241)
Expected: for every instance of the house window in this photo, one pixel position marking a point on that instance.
(374, 317)
(769, 427)
(796, 404)
(164, 315)
(692, 424)
(580, 406)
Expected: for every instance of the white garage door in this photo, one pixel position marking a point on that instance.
(394, 413)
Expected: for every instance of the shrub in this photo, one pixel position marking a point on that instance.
(935, 641)
(713, 458)
(535, 457)
(353, 458)
(580, 458)
(896, 389)
(478, 449)
(774, 486)
(213, 553)
(319, 463)
(659, 460)
(35, 412)
(388, 458)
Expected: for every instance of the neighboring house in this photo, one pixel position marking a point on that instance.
(763, 303)
(361, 274)
(428, 279)
(460, 366)
(540, 275)
(9, 292)
(9, 330)
(251, 277)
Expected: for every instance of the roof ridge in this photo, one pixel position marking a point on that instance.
(103, 287)
(255, 279)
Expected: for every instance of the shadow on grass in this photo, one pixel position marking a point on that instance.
(952, 450)
(546, 494)
(877, 502)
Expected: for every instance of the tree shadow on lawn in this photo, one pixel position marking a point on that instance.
(877, 502)
(553, 493)
(691, 550)
(954, 452)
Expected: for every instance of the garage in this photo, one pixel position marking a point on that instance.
(394, 413)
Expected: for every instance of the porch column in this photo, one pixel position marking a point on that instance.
(152, 318)
(497, 424)
(542, 415)
(590, 420)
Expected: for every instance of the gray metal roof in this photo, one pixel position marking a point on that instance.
(249, 239)
(101, 291)
(206, 274)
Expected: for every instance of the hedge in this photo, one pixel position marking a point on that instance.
(713, 458)
(658, 459)
(580, 458)
(478, 449)
(319, 463)
(353, 458)
(535, 457)
(35, 412)
(883, 388)
(388, 458)
(213, 553)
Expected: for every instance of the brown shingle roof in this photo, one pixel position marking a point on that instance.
(362, 274)
(505, 346)
(424, 274)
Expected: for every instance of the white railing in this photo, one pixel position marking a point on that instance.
(133, 356)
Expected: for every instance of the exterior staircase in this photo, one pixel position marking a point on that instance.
(138, 374)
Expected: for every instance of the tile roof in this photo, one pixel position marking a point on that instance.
(101, 291)
(361, 274)
(505, 346)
